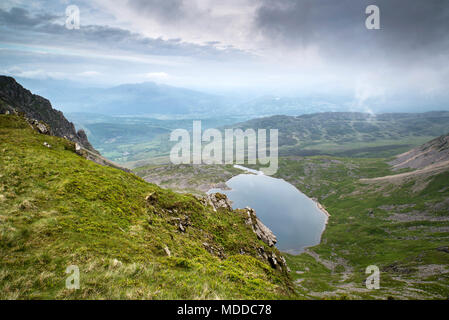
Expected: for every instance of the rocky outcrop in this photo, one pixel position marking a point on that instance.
(15, 99)
(38, 112)
(39, 126)
(261, 230)
(82, 136)
(276, 261)
(218, 201)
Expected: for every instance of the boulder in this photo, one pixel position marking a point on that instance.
(42, 128)
(219, 201)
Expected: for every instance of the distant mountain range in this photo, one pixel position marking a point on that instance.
(167, 102)
(149, 99)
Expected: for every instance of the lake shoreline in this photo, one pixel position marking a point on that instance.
(257, 172)
(321, 207)
(297, 220)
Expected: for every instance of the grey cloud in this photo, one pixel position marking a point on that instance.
(165, 10)
(23, 27)
(407, 26)
(20, 17)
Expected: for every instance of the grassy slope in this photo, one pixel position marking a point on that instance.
(58, 209)
(362, 230)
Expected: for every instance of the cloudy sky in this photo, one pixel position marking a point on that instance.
(290, 47)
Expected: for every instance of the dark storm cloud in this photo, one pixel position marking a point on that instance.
(408, 27)
(19, 26)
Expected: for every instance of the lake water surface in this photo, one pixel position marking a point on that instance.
(293, 217)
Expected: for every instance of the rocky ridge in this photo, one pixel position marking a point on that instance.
(15, 99)
(40, 115)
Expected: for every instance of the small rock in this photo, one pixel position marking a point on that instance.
(42, 129)
(273, 261)
(167, 251)
(151, 198)
(26, 205)
(116, 263)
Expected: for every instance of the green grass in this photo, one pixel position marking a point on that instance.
(360, 231)
(58, 209)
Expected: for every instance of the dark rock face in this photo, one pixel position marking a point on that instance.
(15, 99)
